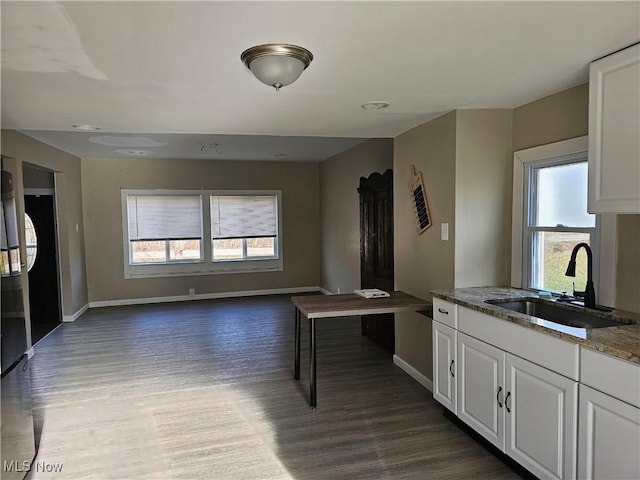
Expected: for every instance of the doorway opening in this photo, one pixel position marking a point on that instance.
(42, 251)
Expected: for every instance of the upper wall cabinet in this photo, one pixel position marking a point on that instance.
(614, 133)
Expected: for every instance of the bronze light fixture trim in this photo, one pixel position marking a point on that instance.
(277, 64)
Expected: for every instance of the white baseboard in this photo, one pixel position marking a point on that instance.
(324, 291)
(412, 372)
(30, 353)
(202, 296)
(76, 315)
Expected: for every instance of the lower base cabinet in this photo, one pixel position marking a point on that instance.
(481, 388)
(609, 443)
(538, 399)
(541, 419)
(527, 411)
(444, 365)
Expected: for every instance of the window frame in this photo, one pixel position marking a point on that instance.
(604, 244)
(206, 265)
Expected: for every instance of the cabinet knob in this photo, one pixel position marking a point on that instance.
(498, 397)
(505, 402)
(451, 369)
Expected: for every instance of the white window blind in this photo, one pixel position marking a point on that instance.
(156, 217)
(244, 216)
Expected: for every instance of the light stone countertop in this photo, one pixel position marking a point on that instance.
(620, 341)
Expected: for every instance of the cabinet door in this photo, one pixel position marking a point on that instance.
(609, 439)
(541, 418)
(481, 388)
(614, 122)
(444, 365)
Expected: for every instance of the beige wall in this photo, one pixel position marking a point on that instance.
(340, 210)
(102, 180)
(423, 262)
(551, 119)
(465, 159)
(628, 263)
(33, 177)
(483, 197)
(69, 211)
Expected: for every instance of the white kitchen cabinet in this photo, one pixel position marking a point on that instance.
(481, 388)
(541, 414)
(609, 423)
(527, 411)
(445, 312)
(614, 129)
(609, 440)
(538, 398)
(444, 365)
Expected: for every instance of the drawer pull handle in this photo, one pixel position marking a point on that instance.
(451, 369)
(498, 397)
(442, 310)
(505, 402)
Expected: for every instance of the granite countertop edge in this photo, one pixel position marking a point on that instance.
(622, 342)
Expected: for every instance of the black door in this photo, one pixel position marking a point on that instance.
(44, 299)
(376, 251)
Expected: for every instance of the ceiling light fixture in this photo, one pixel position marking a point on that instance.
(276, 64)
(378, 105)
(85, 127)
(134, 153)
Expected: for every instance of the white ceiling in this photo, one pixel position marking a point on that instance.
(166, 77)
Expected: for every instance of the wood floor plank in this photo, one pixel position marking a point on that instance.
(205, 389)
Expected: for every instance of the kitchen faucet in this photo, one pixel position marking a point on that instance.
(589, 292)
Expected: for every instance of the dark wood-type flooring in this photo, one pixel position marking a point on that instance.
(205, 390)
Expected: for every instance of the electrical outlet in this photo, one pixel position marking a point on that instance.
(192, 292)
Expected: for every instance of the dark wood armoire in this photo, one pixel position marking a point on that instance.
(376, 251)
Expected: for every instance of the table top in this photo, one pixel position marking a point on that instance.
(346, 305)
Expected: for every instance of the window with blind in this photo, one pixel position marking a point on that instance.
(244, 227)
(165, 232)
(164, 228)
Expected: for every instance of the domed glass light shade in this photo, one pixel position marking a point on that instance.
(276, 65)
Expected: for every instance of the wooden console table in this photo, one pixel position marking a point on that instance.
(316, 307)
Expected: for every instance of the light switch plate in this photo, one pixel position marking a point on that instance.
(444, 231)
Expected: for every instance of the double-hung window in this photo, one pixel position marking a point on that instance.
(244, 227)
(201, 232)
(550, 218)
(164, 228)
(555, 220)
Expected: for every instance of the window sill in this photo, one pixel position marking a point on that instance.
(195, 269)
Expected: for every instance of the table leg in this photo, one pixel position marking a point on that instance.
(296, 348)
(312, 363)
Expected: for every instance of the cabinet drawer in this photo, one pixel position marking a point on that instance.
(610, 375)
(445, 312)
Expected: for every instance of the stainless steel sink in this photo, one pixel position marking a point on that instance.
(564, 315)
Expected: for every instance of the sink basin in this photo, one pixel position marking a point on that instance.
(568, 316)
